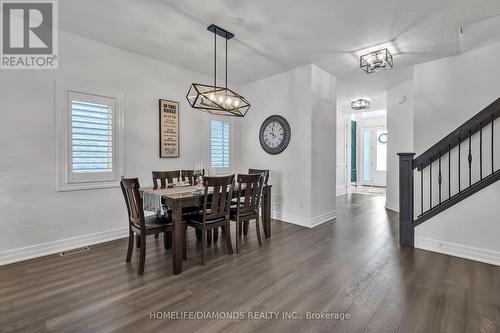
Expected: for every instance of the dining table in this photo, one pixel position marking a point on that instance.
(177, 198)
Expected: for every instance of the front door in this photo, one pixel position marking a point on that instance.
(374, 155)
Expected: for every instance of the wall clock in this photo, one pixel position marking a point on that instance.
(274, 134)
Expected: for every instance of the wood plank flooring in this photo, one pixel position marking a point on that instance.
(352, 265)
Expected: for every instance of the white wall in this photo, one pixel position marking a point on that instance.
(343, 172)
(447, 93)
(296, 97)
(323, 145)
(289, 95)
(35, 218)
(400, 136)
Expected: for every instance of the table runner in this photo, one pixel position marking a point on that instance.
(151, 197)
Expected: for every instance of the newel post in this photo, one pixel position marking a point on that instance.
(406, 228)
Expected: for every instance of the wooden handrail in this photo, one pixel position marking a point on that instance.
(471, 126)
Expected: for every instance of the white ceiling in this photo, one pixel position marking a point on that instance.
(274, 36)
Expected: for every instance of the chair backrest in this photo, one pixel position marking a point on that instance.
(218, 195)
(265, 172)
(130, 188)
(188, 175)
(252, 186)
(165, 177)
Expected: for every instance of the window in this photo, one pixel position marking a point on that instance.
(220, 156)
(89, 138)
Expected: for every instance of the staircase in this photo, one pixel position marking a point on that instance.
(459, 165)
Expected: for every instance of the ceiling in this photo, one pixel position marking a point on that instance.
(275, 36)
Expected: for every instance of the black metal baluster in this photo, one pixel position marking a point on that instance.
(449, 171)
(440, 178)
(469, 158)
(459, 187)
(481, 150)
(430, 183)
(492, 159)
(421, 189)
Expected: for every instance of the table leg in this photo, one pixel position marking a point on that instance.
(178, 246)
(266, 211)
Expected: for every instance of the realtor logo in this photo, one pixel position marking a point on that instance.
(29, 34)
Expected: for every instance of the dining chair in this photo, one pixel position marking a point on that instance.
(140, 225)
(188, 175)
(265, 173)
(247, 204)
(216, 206)
(165, 178)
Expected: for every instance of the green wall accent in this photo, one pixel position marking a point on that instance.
(354, 172)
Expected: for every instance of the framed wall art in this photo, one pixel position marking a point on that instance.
(169, 128)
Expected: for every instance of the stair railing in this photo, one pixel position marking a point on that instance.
(439, 171)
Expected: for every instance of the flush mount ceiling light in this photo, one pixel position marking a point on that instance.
(360, 104)
(215, 99)
(376, 60)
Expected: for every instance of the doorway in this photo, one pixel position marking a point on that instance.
(373, 163)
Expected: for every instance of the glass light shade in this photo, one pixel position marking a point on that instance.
(375, 61)
(217, 100)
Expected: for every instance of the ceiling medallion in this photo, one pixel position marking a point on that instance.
(360, 104)
(214, 99)
(376, 61)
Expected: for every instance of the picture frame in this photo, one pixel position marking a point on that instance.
(169, 128)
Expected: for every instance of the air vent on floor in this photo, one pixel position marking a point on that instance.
(74, 251)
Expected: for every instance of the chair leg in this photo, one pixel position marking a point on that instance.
(203, 246)
(257, 229)
(216, 234)
(245, 227)
(184, 252)
(240, 229)
(130, 245)
(156, 236)
(137, 241)
(142, 257)
(198, 233)
(209, 237)
(227, 231)
(167, 239)
(238, 235)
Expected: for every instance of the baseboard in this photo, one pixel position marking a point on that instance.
(290, 218)
(340, 191)
(392, 206)
(303, 221)
(40, 250)
(320, 219)
(458, 250)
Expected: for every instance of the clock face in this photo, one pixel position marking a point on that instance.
(274, 134)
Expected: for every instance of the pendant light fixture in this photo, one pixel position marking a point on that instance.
(214, 99)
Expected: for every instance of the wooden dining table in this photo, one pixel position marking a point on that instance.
(180, 197)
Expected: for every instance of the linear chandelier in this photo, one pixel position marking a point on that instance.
(214, 99)
(360, 104)
(375, 61)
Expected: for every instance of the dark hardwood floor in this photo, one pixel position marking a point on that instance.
(352, 264)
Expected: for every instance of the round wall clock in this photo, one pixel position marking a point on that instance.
(274, 134)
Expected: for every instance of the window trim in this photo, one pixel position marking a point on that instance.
(221, 170)
(64, 180)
